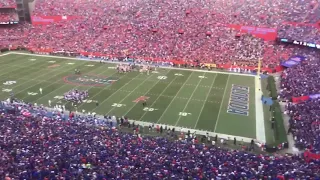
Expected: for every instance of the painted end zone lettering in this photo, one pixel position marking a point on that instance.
(239, 100)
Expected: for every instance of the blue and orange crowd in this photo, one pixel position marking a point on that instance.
(50, 145)
(32, 148)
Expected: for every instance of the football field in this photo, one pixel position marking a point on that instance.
(218, 102)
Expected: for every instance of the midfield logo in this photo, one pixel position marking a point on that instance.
(89, 80)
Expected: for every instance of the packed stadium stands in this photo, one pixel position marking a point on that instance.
(8, 4)
(176, 30)
(305, 124)
(304, 79)
(36, 145)
(5, 17)
(162, 30)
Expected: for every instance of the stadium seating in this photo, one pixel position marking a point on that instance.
(163, 30)
(5, 17)
(7, 4)
(39, 144)
(305, 124)
(304, 79)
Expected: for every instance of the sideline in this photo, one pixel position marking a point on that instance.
(260, 127)
(165, 67)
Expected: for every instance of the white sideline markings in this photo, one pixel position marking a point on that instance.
(260, 128)
(195, 70)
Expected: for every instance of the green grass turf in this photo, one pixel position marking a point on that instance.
(182, 99)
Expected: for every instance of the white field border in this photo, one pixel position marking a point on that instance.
(260, 127)
(165, 67)
(181, 129)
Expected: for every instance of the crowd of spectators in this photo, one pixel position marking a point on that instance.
(310, 33)
(49, 145)
(7, 4)
(167, 30)
(305, 124)
(6, 17)
(304, 79)
(180, 30)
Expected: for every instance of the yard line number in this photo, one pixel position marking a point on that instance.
(32, 93)
(58, 97)
(9, 83)
(117, 105)
(89, 101)
(149, 109)
(178, 74)
(162, 77)
(202, 77)
(184, 114)
(6, 90)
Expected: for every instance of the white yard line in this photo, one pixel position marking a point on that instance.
(214, 79)
(183, 69)
(147, 92)
(159, 96)
(27, 81)
(221, 104)
(4, 54)
(131, 92)
(13, 69)
(185, 107)
(110, 95)
(176, 96)
(260, 128)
